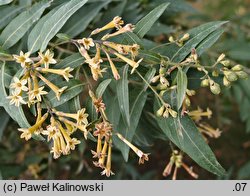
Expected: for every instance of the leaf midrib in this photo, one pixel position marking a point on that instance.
(60, 20)
(23, 24)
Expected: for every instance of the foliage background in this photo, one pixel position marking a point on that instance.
(31, 160)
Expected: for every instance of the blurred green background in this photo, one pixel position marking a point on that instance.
(32, 160)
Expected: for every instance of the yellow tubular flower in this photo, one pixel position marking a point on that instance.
(63, 148)
(65, 73)
(56, 149)
(125, 29)
(103, 155)
(23, 58)
(47, 58)
(97, 72)
(16, 98)
(57, 91)
(27, 132)
(39, 112)
(113, 68)
(80, 116)
(37, 91)
(19, 85)
(86, 42)
(132, 63)
(142, 156)
(118, 47)
(115, 23)
(97, 154)
(107, 170)
(81, 127)
(199, 113)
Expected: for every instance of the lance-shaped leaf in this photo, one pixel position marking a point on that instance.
(145, 24)
(14, 31)
(197, 35)
(16, 113)
(8, 13)
(58, 19)
(138, 100)
(81, 19)
(123, 94)
(209, 41)
(34, 39)
(183, 133)
(4, 2)
(75, 87)
(102, 87)
(4, 121)
(181, 87)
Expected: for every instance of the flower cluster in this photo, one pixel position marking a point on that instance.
(59, 130)
(204, 128)
(103, 131)
(230, 73)
(27, 87)
(109, 49)
(176, 160)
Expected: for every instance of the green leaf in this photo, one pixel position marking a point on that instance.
(75, 87)
(102, 87)
(4, 121)
(197, 35)
(183, 133)
(8, 13)
(16, 113)
(4, 54)
(56, 22)
(25, 2)
(4, 2)
(82, 18)
(145, 24)
(123, 94)
(181, 87)
(150, 57)
(14, 31)
(209, 41)
(138, 97)
(34, 39)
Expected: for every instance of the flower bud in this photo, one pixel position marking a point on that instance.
(155, 79)
(214, 87)
(164, 81)
(187, 101)
(162, 86)
(221, 57)
(191, 92)
(215, 73)
(173, 113)
(159, 112)
(242, 74)
(162, 70)
(226, 63)
(237, 68)
(171, 39)
(226, 82)
(185, 37)
(205, 83)
(230, 75)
